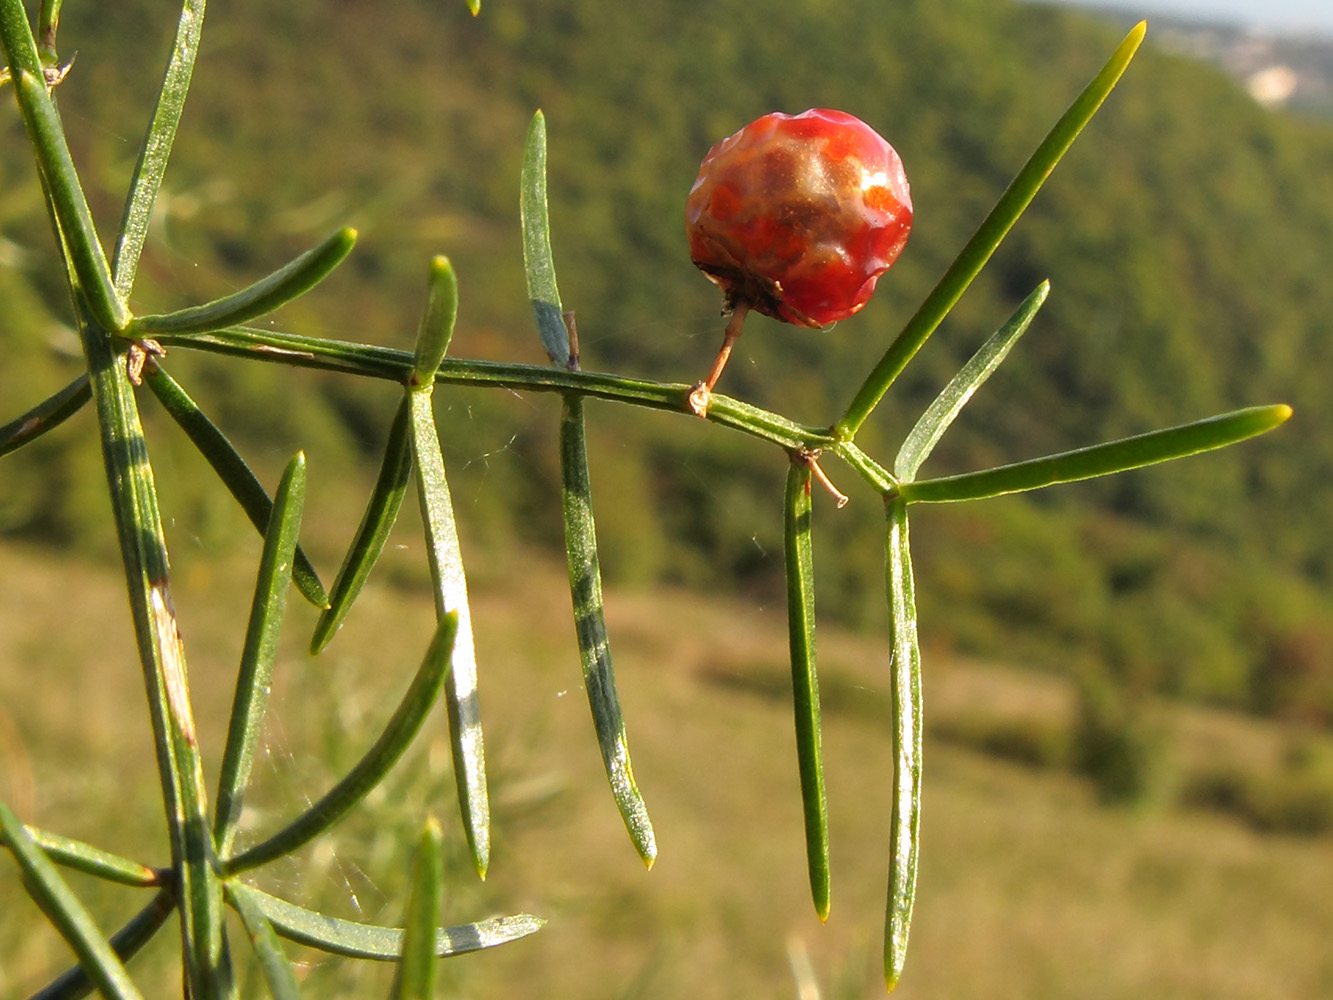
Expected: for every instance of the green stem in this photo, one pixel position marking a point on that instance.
(16, 36)
(75, 221)
(147, 574)
(397, 366)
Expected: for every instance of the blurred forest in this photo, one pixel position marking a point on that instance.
(1187, 236)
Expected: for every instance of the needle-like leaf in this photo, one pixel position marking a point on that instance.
(973, 257)
(370, 770)
(538, 262)
(273, 963)
(415, 979)
(162, 657)
(357, 940)
(157, 143)
(446, 567)
(88, 859)
(1101, 459)
(905, 834)
(805, 679)
(923, 437)
(255, 675)
(46, 415)
(66, 912)
(386, 499)
(232, 469)
(263, 297)
(585, 586)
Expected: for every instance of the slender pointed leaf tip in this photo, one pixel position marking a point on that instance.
(993, 229)
(437, 323)
(923, 437)
(585, 587)
(281, 287)
(805, 680)
(1102, 459)
(415, 979)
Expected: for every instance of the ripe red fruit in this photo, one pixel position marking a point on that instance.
(797, 216)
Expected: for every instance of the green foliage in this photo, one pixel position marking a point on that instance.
(1202, 197)
(119, 346)
(1117, 743)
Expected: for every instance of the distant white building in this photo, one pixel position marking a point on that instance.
(1272, 86)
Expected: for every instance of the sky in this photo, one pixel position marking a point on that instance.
(1276, 15)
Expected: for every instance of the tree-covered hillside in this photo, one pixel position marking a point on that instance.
(1187, 237)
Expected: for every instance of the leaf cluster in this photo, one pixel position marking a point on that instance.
(123, 346)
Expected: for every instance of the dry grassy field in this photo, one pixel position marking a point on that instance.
(1029, 888)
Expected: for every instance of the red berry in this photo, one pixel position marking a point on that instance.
(797, 216)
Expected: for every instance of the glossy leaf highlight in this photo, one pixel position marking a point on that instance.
(357, 940)
(1102, 459)
(157, 143)
(446, 567)
(905, 825)
(585, 587)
